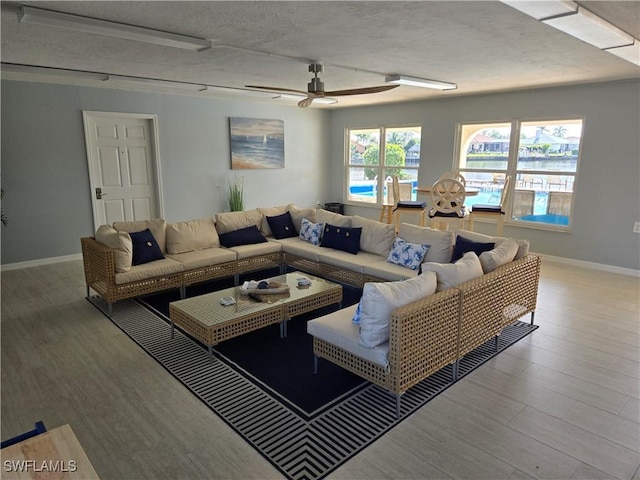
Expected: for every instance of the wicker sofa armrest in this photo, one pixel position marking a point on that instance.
(423, 338)
(521, 280)
(99, 262)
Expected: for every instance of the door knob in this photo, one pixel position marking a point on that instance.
(99, 193)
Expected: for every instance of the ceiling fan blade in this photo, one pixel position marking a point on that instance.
(277, 89)
(360, 91)
(304, 103)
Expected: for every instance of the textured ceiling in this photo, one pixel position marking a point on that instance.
(481, 46)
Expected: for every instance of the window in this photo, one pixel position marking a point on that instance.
(375, 155)
(542, 162)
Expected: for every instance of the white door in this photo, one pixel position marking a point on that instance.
(123, 167)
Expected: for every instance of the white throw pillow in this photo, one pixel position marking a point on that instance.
(440, 243)
(501, 255)
(380, 299)
(311, 232)
(376, 237)
(192, 235)
(120, 242)
(452, 274)
(405, 254)
(523, 245)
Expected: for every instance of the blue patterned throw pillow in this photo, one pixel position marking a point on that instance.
(407, 254)
(356, 315)
(311, 232)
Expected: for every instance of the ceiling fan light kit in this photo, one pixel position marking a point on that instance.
(420, 82)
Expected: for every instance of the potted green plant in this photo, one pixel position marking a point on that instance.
(236, 194)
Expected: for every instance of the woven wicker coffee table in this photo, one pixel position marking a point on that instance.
(206, 319)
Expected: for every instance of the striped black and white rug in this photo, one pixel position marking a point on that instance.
(301, 447)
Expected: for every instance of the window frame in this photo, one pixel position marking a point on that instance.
(382, 130)
(512, 170)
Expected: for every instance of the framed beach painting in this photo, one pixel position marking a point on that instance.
(256, 143)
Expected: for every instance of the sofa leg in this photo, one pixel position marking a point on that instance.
(455, 370)
(88, 291)
(315, 364)
(533, 314)
(496, 340)
(183, 292)
(236, 279)
(398, 400)
(110, 309)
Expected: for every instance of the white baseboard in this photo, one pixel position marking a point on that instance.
(594, 266)
(40, 262)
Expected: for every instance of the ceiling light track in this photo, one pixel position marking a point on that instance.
(50, 18)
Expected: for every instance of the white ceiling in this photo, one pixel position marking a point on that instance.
(482, 46)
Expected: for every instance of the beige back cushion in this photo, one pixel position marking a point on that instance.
(192, 235)
(269, 212)
(121, 242)
(452, 274)
(376, 237)
(440, 243)
(335, 219)
(232, 221)
(297, 214)
(158, 229)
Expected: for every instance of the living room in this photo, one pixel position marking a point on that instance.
(48, 203)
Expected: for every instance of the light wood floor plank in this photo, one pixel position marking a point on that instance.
(607, 425)
(631, 410)
(605, 377)
(592, 449)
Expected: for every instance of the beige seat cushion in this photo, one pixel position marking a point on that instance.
(376, 237)
(337, 329)
(157, 268)
(232, 221)
(120, 242)
(301, 248)
(192, 235)
(203, 258)
(256, 249)
(346, 260)
(389, 272)
(158, 229)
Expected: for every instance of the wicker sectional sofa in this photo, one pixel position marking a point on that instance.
(431, 332)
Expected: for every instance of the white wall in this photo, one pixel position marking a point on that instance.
(44, 165)
(608, 186)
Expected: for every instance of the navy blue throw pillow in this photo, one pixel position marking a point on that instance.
(282, 226)
(463, 246)
(145, 248)
(244, 236)
(341, 238)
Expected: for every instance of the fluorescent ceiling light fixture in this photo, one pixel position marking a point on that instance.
(297, 98)
(543, 9)
(630, 53)
(111, 29)
(161, 83)
(420, 82)
(592, 29)
(52, 72)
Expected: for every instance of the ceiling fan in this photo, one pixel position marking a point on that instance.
(315, 88)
